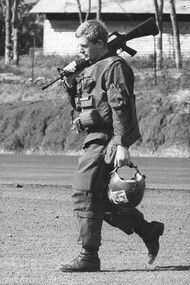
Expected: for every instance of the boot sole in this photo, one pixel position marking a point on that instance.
(82, 270)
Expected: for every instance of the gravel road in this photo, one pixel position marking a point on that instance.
(38, 233)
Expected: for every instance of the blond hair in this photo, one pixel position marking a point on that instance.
(93, 30)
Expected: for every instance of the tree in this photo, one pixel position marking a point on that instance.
(177, 48)
(80, 11)
(11, 32)
(159, 20)
(2, 27)
(99, 7)
(8, 45)
(16, 29)
(88, 12)
(98, 11)
(15, 32)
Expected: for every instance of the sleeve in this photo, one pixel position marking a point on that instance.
(119, 85)
(71, 92)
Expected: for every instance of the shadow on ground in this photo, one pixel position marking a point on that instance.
(158, 268)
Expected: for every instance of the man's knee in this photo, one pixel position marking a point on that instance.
(127, 222)
(81, 200)
(86, 201)
(119, 222)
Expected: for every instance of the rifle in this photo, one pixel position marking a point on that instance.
(116, 42)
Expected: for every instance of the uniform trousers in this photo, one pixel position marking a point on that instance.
(90, 200)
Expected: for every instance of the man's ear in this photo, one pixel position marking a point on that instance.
(100, 44)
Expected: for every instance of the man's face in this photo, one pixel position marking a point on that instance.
(88, 50)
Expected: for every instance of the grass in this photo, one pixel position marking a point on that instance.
(44, 66)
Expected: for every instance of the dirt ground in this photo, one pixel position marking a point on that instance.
(38, 233)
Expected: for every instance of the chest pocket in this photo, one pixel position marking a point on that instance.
(89, 116)
(88, 85)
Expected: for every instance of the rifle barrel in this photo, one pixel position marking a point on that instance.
(52, 82)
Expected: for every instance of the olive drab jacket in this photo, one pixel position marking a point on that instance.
(105, 100)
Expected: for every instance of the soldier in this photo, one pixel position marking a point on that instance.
(103, 96)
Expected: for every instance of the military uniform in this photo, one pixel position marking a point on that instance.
(104, 97)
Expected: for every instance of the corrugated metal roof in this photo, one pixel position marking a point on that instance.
(109, 6)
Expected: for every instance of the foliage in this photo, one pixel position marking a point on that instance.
(29, 24)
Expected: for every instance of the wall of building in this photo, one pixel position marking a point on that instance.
(59, 38)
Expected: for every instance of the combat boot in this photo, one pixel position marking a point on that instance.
(86, 261)
(152, 240)
(150, 234)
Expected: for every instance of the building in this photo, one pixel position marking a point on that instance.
(62, 19)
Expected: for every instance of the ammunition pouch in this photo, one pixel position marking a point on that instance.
(89, 116)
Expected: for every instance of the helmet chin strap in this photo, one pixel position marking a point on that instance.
(131, 166)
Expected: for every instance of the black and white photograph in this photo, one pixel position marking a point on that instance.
(94, 142)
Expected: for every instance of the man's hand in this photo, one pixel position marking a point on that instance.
(71, 68)
(122, 157)
(77, 126)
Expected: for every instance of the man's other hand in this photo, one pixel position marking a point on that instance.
(122, 157)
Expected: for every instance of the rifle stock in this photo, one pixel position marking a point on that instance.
(117, 41)
(146, 28)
